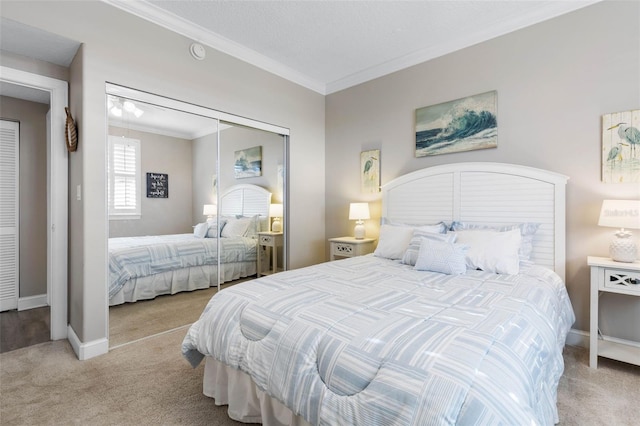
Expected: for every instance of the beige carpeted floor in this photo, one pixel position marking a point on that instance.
(147, 382)
(132, 321)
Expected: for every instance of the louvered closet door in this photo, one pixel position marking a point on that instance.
(9, 236)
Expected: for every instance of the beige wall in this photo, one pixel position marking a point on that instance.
(554, 80)
(160, 216)
(33, 191)
(144, 56)
(233, 139)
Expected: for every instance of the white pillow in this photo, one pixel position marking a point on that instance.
(236, 227)
(253, 228)
(492, 251)
(215, 227)
(411, 254)
(200, 230)
(439, 228)
(441, 256)
(393, 241)
(527, 230)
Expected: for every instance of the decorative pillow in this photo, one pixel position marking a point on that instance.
(411, 254)
(236, 227)
(527, 230)
(215, 227)
(393, 241)
(441, 256)
(492, 251)
(200, 230)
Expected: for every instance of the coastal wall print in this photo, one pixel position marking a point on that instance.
(248, 162)
(461, 125)
(370, 171)
(621, 147)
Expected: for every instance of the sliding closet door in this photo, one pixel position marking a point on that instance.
(9, 214)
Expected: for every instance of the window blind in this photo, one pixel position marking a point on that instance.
(124, 176)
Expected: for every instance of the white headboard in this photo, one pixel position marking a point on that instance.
(489, 193)
(246, 200)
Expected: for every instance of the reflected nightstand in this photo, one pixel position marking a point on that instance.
(269, 241)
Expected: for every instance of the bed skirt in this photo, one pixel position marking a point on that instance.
(247, 403)
(186, 279)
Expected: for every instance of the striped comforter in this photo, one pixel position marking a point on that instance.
(136, 257)
(368, 341)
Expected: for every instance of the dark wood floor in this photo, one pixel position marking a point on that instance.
(19, 329)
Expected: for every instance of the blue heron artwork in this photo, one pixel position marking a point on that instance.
(621, 147)
(370, 171)
(462, 125)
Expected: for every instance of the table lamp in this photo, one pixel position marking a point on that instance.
(359, 212)
(623, 214)
(209, 210)
(276, 211)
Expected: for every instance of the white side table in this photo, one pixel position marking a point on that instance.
(269, 241)
(350, 247)
(612, 277)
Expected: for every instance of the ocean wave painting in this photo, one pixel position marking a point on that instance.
(462, 125)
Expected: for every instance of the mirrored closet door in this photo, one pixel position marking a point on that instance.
(197, 202)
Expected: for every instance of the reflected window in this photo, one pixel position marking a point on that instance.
(124, 178)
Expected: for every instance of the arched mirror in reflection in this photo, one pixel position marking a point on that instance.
(195, 204)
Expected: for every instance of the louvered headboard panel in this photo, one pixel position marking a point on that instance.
(246, 200)
(486, 193)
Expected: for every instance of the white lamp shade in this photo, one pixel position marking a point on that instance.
(620, 214)
(359, 211)
(275, 210)
(209, 210)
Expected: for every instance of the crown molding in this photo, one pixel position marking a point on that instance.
(550, 11)
(158, 16)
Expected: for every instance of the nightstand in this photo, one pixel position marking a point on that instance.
(269, 241)
(350, 247)
(612, 277)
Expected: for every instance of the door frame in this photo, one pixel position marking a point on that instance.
(57, 192)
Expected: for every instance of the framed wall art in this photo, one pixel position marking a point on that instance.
(621, 147)
(462, 125)
(248, 162)
(370, 171)
(157, 185)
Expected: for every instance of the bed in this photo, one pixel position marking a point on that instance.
(415, 333)
(141, 268)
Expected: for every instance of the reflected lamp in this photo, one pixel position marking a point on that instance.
(625, 215)
(276, 212)
(359, 212)
(210, 210)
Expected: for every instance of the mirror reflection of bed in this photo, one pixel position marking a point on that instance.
(163, 258)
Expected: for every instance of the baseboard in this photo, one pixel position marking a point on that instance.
(577, 338)
(581, 338)
(88, 350)
(31, 302)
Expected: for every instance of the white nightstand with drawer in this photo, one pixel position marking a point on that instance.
(350, 247)
(269, 241)
(612, 277)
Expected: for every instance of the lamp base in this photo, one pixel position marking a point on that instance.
(358, 231)
(623, 248)
(276, 226)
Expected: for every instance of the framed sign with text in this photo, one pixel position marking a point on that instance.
(157, 185)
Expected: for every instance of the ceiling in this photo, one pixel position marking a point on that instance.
(325, 46)
(328, 46)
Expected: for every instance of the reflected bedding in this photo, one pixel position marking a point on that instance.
(137, 257)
